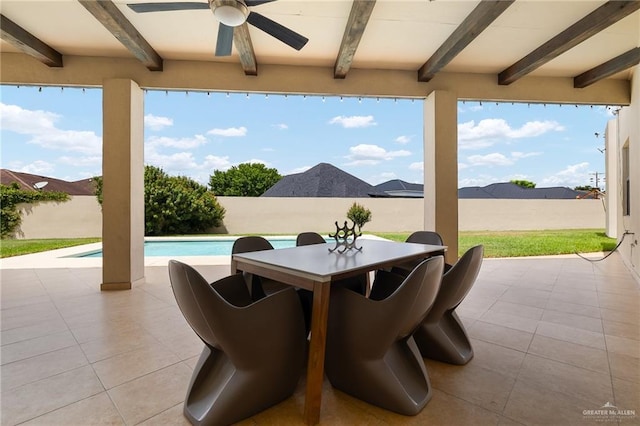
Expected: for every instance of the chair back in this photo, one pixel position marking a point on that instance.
(457, 282)
(309, 238)
(425, 237)
(194, 297)
(250, 243)
(423, 282)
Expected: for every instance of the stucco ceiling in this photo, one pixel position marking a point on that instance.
(399, 35)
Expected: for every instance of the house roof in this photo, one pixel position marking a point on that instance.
(29, 181)
(512, 191)
(322, 180)
(398, 188)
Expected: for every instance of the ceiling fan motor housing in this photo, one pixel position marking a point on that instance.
(230, 12)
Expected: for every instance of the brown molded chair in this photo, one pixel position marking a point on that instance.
(370, 351)
(309, 238)
(421, 237)
(441, 335)
(254, 351)
(259, 287)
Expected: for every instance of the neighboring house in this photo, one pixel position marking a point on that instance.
(322, 180)
(510, 190)
(28, 181)
(326, 180)
(398, 188)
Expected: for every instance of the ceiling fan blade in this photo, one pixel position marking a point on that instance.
(165, 7)
(257, 2)
(225, 40)
(278, 31)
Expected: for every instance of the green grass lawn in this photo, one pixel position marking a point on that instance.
(529, 243)
(10, 248)
(496, 244)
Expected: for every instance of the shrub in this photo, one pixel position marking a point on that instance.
(359, 215)
(175, 204)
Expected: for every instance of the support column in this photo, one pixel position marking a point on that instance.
(123, 184)
(441, 168)
(612, 183)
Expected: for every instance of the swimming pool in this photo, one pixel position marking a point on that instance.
(201, 247)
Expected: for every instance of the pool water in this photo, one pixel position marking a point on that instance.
(216, 247)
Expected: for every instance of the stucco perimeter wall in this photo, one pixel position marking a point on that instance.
(82, 216)
(293, 215)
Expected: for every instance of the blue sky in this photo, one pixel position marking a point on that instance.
(58, 133)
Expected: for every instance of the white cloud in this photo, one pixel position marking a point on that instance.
(572, 175)
(281, 126)
(369, 155)
(403, 139)
(178, 143)
(178, 161)
(213, 162)
(229, 132)
(185, 164)
(38, 167)
(89, 161)
(354, 121)
(490, 130)
(417, 166)
(535, 128)
(298, 170)
(494, 159)
(481, 180)
(40, 126)
(382, 177)
(154, 122)
(519, 155)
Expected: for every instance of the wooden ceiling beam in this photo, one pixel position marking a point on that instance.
(613, 66)
(358, 18)
(114, 20)
(601, 18)
(478, 20)
(244, 46)
(28, 43)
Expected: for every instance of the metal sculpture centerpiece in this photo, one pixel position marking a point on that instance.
(345, 237)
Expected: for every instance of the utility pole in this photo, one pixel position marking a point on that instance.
(597, 177)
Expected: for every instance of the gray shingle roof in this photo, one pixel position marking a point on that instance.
(322, 180)
(398, 188)
(512, 191)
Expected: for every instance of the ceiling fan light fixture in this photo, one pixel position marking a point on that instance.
(230, 12)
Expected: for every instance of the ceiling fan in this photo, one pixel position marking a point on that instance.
(230, 13)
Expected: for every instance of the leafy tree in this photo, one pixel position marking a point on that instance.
(359, 215)
(584, 188)
(176, 204)
(244, 180)
(524, 183)
(11, 195)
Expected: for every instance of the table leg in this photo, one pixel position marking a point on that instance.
(315, 366)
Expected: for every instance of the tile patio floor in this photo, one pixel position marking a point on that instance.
(553, 337)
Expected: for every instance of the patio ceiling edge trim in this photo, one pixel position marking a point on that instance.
(82, 71)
